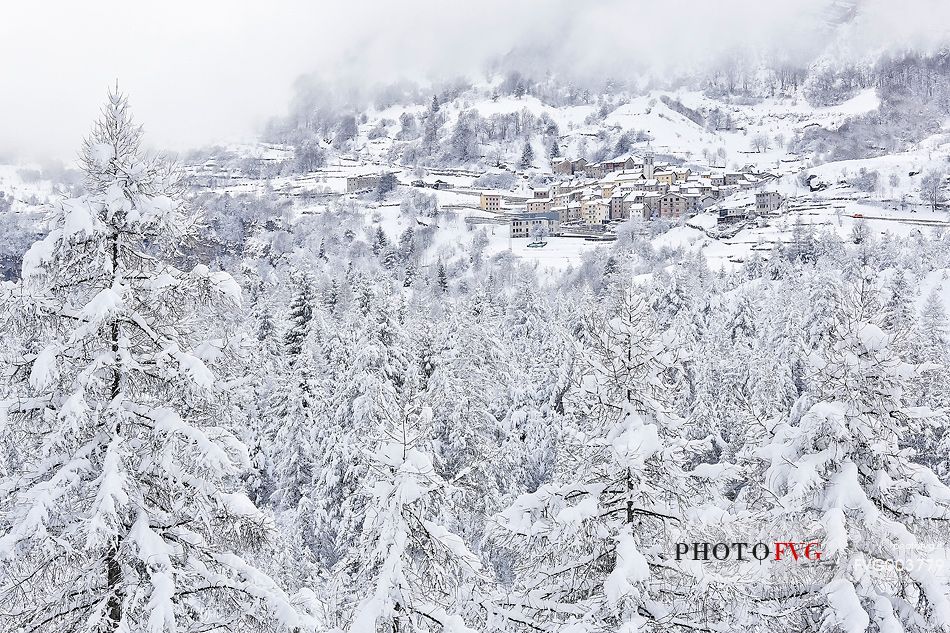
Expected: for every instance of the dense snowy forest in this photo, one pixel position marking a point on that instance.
(316, 428)
(495, 317)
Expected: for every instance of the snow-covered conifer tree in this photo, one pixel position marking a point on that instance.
(839, 472)
(527, 155)
(124, 512)
(295, 410)
(899, 317)
(929, 342)
(364, 363)
(933, 336)
(298, 322)
(411, 573)
(597, 543)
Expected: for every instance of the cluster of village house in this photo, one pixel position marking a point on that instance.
(628, 186)
(598, 194)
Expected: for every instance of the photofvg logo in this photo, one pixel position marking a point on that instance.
(794, 551)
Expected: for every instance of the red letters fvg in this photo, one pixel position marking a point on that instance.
(796, 551)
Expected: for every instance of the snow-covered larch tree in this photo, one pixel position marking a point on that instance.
(411, 573)
(366, 359)
(840, 472)
(124, 513)
(597, 543)
(464, 392)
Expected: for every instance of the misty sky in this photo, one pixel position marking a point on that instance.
(208, 71)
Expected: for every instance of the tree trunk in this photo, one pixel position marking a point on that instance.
(113, 583)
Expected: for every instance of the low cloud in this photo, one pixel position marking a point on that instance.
(212, 71)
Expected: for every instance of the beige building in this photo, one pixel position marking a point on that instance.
(651, 204)
(568, 167)
(490, 202)
(619, 163)
(632, 198)
(539, 205)
(595, 171)
(571, 212)
(638, 210)
(595, 211)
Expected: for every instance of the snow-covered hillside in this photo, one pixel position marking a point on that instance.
(685, 127)
(724, 130)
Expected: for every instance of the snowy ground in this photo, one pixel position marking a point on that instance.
(558, 254)
(26, 186)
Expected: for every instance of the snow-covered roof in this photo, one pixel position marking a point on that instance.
(736, 202)
(622, 158)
